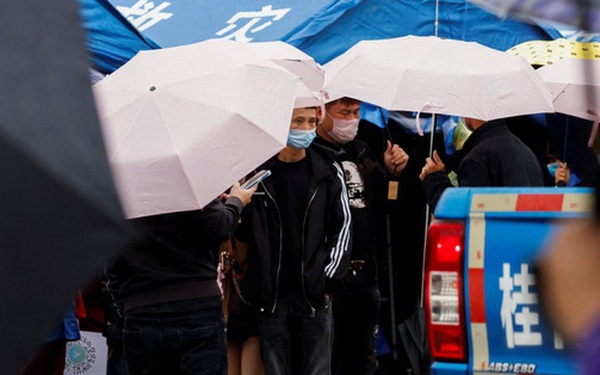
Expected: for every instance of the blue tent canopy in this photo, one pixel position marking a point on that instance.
(322, 28)
(179, 22)
(457, 19)
(111, 39)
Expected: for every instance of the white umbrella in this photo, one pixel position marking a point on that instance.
(574, 83)
(294, 60)
(436, 75)
(181, 124)
(575, 87)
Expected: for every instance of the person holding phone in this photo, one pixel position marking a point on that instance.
(167, 288)
(298, 231)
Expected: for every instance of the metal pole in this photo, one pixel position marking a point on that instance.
(564, 155)
(433, 121)
(437, 18)
(391, 285)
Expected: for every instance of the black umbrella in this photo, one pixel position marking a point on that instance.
(59, 214)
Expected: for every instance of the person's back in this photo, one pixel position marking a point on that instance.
(491, 157)
(169, 291)
(496, 157)
(176, 249)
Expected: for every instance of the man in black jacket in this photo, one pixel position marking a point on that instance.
(173, 320)
(491, 156)
(356, 302)
(298, 234)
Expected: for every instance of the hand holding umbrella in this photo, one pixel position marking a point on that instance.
(395, 159)
(432, 165)
(562, 175)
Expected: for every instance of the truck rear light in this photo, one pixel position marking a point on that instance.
(444, 296)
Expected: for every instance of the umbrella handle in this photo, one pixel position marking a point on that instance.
(432, 104)
(427, 212)
(594, 131)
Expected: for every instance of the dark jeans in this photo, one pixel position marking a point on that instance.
(355, 318)
(294, 341)
(176, 343)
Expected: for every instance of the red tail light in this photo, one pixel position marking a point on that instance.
(444, 296)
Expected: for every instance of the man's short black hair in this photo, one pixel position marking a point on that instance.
(345, 101)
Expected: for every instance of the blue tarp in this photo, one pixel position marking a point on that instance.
(178, 22)
(111, 40)
(322, 28)
(457, 19)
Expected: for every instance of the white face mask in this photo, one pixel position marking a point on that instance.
(343, 131)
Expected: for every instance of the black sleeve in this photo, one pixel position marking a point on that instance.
(219, 219)
(434, 185)
(339, 230)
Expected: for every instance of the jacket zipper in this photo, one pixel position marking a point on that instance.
(280, 249)
(312, 309)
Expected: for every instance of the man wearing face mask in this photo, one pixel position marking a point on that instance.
(356, 302)
(298, 234)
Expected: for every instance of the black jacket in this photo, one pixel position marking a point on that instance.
(177, 249)
(326, 235)
(491, 157)
(374, 178)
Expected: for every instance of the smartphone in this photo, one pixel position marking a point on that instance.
(254, 180)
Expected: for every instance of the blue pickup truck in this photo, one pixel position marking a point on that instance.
(481, 302)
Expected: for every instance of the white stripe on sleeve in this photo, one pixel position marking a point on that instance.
(337, 252)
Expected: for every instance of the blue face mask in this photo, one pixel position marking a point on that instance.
(300, 138)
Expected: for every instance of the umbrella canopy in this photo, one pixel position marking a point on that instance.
(294, 60)
(436, 75)
(575, 86)
(299, 63)
(547, 52)
(182, 124)
(60, 216)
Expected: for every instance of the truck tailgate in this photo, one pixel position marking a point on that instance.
(506, 228)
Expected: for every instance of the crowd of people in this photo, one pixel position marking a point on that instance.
(284, 277)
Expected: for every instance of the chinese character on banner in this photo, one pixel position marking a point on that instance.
(144, 14)
(518, 320)
(252, 19)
